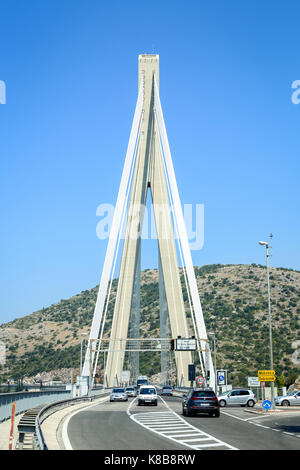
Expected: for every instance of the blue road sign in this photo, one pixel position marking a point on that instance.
(266, 404)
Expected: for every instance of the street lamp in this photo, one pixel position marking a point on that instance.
(266, 244)
(212, 333)
(81, 335)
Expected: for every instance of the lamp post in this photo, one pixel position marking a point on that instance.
(215, 357)
(266, 244)
(81, 335)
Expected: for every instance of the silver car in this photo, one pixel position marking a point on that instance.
(292, 398)
(118, 394)
(239, 397)
(131, 391)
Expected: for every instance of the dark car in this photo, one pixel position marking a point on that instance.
(167, 390)
(201, 401)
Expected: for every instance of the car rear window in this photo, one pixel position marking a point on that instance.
(118, 390)
(203, 393)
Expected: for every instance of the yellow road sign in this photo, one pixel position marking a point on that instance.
(266, 375)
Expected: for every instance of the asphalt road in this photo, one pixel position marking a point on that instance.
(125, 426)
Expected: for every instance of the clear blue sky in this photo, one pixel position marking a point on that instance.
(70, 68)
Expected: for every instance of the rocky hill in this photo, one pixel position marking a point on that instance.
(234, 303)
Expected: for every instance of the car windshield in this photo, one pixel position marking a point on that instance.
(223, 394)
(118, 390)
(292, 393)
(130, 389)
(203, 393)
(167, 388)
(147, 391)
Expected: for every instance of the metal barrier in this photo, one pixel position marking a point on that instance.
(27, 400)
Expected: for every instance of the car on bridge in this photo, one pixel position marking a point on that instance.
(141, 380)
(118, 394)
(131, 391)
(200, 401)
(167, 390)
(147, 395)
(239, 397)
(292, 398)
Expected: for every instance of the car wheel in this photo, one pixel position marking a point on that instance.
(250, 403)
(222, 403)
(183, 412)
(188, 412)
(217, 414)
(285, 403)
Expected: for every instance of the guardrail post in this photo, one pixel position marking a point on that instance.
(11, 435)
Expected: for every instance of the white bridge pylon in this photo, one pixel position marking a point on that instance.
(148, 166)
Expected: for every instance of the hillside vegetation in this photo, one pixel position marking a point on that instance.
(234, 303)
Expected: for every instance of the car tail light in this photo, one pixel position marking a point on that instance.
(194, 398)
(214, 399)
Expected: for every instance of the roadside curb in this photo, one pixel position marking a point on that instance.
(272, 412)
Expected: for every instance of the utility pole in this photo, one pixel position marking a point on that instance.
(212, 333)
(266, 244)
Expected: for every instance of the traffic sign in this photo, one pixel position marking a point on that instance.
(186, 344)
(200, 380)
(253, 382)
(266, 375)
(222, 377)
(192, 372)
(266, 404)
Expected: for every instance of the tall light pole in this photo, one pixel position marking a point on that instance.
(266, 244)
(81, 335)
(215, 357)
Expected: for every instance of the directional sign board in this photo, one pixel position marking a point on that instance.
(186, 344)
(253, 382)
(266, 375)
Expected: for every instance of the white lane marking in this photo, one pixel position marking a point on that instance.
(197, 440)
(155, 425)
(237, 417)
(207, 445)
(166, 426)
(64, 432)
(187, 434)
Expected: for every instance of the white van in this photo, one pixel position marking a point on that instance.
(147, 395)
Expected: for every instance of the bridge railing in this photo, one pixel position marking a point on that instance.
(27, 400)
